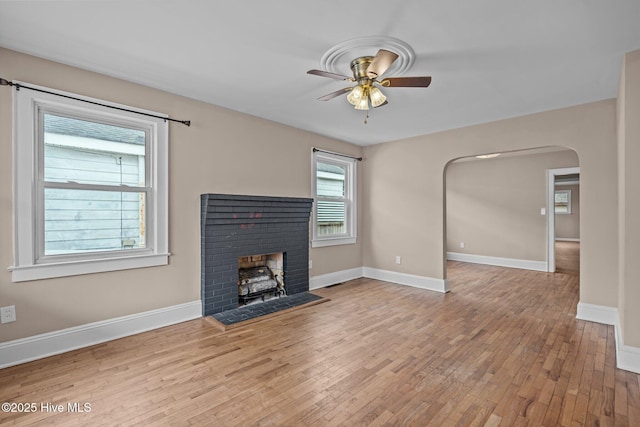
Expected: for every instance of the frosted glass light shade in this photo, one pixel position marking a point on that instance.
(355, 95)
(363, 104)
(377, 97)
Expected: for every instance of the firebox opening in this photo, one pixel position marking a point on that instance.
(260, 277)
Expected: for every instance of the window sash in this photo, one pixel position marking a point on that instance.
(121, 122)
(41, 227)
(328, 211)
(41, 255)
(348, 234)
(98, 149)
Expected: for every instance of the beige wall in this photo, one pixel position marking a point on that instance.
(629, 198)
(568, 226)
(222, 152)
(493, 205)
(404, 192)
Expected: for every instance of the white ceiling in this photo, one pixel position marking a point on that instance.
(489, 59)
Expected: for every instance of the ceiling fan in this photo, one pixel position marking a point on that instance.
(366, 72)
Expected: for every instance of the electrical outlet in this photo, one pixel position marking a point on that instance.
(461, 245)
(8, 314)
(398, 259)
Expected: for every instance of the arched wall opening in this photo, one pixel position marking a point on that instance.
(500, 209)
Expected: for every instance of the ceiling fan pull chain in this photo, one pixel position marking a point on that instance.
(366, 118)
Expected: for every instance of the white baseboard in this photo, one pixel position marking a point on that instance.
(627, 357)
(566, 239)
(324, 280)
(597, 313)
(51, 343)
(497, 261)
(422, 282)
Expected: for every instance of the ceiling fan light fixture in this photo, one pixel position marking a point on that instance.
(377, 97)
(355, 95)
(363, 104)
(366, 70)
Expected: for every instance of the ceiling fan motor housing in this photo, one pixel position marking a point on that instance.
(359, 68)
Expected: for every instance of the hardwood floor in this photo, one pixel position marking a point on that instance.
(567, 257)
(503, 348)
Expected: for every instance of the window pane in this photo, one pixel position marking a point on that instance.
(331, 218)
(79, 221)
(562, 201)
(330, 180)
(92, 153)
(562, 198)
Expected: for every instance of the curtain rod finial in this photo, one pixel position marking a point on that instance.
(5, 82)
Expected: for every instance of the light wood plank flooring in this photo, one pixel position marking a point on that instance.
(503, 348)
(567, 257)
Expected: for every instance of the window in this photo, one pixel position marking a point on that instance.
(90, 187)
(334, 213)
(563, 201)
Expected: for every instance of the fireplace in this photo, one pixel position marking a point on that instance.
(260, 277)
(237, 232)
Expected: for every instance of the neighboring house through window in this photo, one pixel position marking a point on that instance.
(91, 188)
(334, 211)
(80, 159)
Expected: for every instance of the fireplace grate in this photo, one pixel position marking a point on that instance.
(258, 282)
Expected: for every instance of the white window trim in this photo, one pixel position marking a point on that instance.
(569, 208)
(26, 104)
(350, 237)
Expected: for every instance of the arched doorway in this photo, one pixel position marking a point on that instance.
(499, 209)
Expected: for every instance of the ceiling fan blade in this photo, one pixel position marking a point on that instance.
(334, 94)
(328, 74)
(381, 62)
(406, 82)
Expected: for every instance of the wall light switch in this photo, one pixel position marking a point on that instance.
(398, 259)
(310, 264)
(461, 245)
(543, 211)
